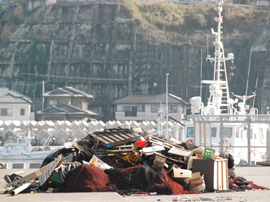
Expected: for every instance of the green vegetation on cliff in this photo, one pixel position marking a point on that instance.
(198, 18)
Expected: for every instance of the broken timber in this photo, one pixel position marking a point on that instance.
(169, 145)
(115, 137)
(123, 150)
(35, 174)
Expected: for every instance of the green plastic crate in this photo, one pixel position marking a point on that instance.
(57, 176)
(209, 153)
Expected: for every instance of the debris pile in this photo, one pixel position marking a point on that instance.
(128, 161)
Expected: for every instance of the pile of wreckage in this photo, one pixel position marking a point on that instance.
(130, 161)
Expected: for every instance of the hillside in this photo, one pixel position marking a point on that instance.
(115, 49)
(167, 17)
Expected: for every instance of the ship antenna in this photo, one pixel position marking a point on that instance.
(219, 100)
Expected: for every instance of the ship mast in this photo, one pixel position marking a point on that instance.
(219, 101)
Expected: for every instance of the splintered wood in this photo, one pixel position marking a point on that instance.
(115, 137)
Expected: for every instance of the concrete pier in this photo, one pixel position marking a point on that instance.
(260, 175)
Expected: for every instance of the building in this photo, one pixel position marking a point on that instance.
(150, 107)
(15, 106)
(66, 103)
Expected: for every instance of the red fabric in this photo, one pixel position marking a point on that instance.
(165, 186)
(87, 178)
(176, 188)
(129, 170)
(232, 184)
(242, 182)
(255, 186)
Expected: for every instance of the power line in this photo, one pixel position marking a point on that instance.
(71, 77)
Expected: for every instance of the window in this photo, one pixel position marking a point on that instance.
(227, 132)
(22, 112)
(237, 132)
(154, 108)
(77, 102)
(130, 111)
(252, 134)
(213, 132)
(173, 109)
(52, 102)
(190, 132)
(140, 108)
(5, 112)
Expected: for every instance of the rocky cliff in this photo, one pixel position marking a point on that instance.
(115, 49)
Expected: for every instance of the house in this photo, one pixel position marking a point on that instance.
(149, 107)
(66, 103)
(15, 106)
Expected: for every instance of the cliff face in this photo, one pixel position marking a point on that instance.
(99, 48)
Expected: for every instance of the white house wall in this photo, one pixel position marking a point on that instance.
(16, 112)
(146, 115)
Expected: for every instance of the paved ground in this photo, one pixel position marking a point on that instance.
(260, 175)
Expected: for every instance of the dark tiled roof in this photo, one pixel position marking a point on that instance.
(67, 91)
(150, 99)
(138, 99)
(65, 109)
(15, 97)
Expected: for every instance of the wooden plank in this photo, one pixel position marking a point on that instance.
(112, 137)
(97, 136)
(35, 174)
(121, 142)
(118, 136)
(167, 144)
(103, 139)
(179, 152)
(115, 137)
(123, 135)
(131, 135)
(82, 148)
(49, 172)
(125, 146)
(115, 151)
(171, 159)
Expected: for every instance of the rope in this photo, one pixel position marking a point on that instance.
(63, 170)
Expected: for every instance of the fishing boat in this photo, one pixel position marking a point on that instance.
(240, 130)
(21, 152)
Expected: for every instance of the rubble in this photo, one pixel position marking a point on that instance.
(130, 162)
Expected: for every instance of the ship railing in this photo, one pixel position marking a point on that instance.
(249, 133)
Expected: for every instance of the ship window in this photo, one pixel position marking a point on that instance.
(190, 132)
(213, 132)
(237, 134)
(227, 132)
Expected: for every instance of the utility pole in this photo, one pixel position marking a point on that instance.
(167, 107)
(43, 91)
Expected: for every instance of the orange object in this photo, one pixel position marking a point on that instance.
(141, 143)
(190, 141)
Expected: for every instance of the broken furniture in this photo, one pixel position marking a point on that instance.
(215, 172)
